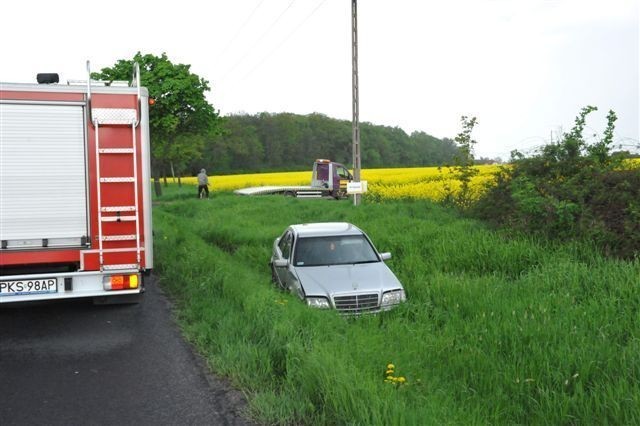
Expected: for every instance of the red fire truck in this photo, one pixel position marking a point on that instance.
(75, 199)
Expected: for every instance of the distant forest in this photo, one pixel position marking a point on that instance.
(280, 142)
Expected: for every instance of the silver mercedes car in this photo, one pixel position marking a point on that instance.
(334, 265)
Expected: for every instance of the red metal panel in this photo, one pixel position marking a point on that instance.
(91, 262)
(121, 258)
(28, 257)
(116, 194)
(114, 100)
(41, 96)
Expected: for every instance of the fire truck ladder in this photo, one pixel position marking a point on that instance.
(101, 117)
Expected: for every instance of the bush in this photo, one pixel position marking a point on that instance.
(570, 190)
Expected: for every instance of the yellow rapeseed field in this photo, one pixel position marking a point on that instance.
(397, 183)
(392, 184)
(422, 182)
(231, 182)
(633, 163)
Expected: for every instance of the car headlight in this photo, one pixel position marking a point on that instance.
(318, 302)
(393, 297)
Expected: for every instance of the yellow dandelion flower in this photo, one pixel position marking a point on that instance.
(389, 372)
(401, 379)
(390, 378)
(391, 367)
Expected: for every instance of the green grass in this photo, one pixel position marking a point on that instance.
(496, 330)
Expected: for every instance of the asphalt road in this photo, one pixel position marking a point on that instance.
(72, 363)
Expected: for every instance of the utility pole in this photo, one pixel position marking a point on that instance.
(355, 106)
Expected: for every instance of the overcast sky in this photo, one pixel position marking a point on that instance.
(524, 68)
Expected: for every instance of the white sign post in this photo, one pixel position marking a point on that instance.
(357, 187)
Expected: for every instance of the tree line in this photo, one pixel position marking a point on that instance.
(285, 141)
(187, 133)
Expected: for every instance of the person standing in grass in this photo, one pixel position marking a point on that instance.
(203, 184)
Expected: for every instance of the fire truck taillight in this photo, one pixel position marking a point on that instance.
(120, 282)
(133, 281)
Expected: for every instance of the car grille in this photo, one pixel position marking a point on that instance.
(356, 303)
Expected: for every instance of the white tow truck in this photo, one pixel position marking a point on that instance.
(328, 179)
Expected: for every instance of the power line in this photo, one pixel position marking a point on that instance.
(284, 40)
(273, 24)
(240, 29)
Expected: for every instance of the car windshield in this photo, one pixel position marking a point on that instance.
(338, 250)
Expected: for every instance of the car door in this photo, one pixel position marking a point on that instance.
(341, 178)
(284, 252)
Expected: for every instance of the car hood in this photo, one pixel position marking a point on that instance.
(359, 278)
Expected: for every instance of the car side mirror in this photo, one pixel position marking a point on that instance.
(280, 263)
(385, 256)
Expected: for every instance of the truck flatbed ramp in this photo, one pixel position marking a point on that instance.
(262, 190)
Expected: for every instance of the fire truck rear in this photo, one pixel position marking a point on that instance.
(75, 200)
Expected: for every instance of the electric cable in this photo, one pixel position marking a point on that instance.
(273, 24)
(283, 40)
(239, 30)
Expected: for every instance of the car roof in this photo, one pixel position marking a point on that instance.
(323, 229)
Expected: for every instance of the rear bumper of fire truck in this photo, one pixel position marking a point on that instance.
(68, 285)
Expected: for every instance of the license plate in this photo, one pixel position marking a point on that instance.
(22, 287)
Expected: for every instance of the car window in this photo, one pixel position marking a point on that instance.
(343, 173)
(339, 250)
(285, 244)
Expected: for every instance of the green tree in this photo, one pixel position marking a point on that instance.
(464, 162)
(184, 149)
(181, 110)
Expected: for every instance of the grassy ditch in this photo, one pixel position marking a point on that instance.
(495, 330)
